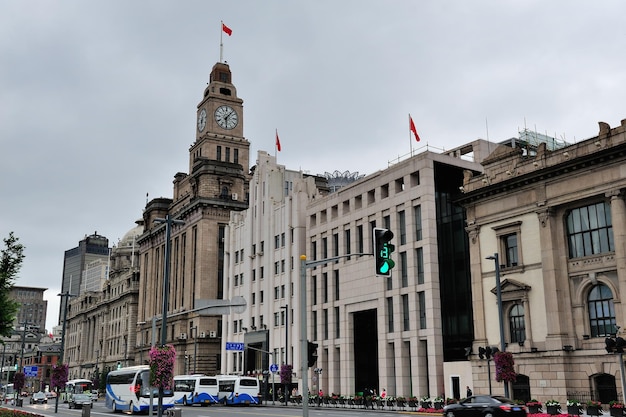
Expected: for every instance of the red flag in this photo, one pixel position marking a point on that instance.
(226, 29)
(412, 127)
(277, 142)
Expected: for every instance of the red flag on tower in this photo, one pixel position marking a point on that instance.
(226, 29)
(412, 127)
(277, 141)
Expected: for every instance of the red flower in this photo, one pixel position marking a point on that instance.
(504, 367)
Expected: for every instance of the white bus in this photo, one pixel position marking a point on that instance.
(78, 386)
(128, 389)
(8, 393)
(195, 389)
(238, 390)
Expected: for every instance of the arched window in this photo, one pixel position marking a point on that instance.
(601, 311)
(517, 325)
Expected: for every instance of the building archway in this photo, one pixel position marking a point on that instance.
(521, 388)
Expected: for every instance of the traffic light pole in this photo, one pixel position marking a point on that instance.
(304, 342)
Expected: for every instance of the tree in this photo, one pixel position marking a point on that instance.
(10, 264)
(18, 382)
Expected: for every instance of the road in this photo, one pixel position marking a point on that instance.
(100, 410)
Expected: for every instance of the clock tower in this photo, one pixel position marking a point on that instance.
(203, 199)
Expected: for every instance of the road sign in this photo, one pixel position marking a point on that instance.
(30, 371)
(274, 368)
(234, 346)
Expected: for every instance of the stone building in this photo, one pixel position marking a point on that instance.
(196, 219)
(550, 226)
(101, 325)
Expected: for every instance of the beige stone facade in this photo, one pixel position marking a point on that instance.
(217, 183)
(557, 221)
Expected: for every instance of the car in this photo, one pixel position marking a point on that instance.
(51, 394)
(79, 400)
(39, 398)
(485, 406)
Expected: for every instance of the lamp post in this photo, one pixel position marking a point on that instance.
(65, 298)
(286, 388)
(496, 260)
(166, 289)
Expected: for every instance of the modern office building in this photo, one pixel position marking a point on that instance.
(547, 232)
(91, 248)
(371, 332)
(195, 220)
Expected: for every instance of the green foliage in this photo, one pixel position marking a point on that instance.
(10, 263)
(18, 381)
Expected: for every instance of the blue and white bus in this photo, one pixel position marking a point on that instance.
(238, 390)
(195, 389)
(128, 389)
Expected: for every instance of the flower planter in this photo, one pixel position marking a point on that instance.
(413, 404)
(426, 404)
(574, 410)
(616, 411)
(438, 405)
(534, 409)
(401, 404)
(593, 410)
(553, 409)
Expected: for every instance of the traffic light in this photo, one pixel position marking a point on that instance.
(312, 354)
(487, 352)
(382, 251)
(616, 345)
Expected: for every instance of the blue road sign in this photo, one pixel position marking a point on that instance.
(274, 368)
(234, 346)
(30, 371)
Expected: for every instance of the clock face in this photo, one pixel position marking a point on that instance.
(226, 117)
(202, 120)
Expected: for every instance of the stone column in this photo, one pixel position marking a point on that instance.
(618, 216)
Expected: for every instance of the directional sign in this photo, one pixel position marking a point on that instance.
(234, 346)
(30, 371)
(274, 368)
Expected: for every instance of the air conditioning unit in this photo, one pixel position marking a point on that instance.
(235, 196)
(213, 334)
(183, 336)
(202, 335)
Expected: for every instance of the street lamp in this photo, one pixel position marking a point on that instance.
(65, 299)
(286, 307)
(496, 260)
(166, 289)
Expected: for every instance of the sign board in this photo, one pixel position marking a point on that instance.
(274, 368)
(30, 371)
(234, 346)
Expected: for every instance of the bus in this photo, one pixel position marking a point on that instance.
(195, 389)
(128, 389)
(78, 386)
(238, 390)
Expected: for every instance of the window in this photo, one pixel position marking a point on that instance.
(337, 324)
(417, 219)
(509, 238)
(419, 262)
(601, 311)
(314, 290)
(404, 270)
(336, 273)
(590, 230)
(405, 312)
(510, 250)
(402, 226)
(346, 237)
(517, 325)
(219, 153)
(276, 241)
(324, 287)
(390, 314)
(421, 305)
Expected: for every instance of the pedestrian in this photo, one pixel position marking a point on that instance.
(469, 392)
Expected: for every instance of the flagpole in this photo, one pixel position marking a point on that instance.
(221, 43)
(410, 141)
(276, 148)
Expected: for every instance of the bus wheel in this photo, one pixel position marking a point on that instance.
(130, 408)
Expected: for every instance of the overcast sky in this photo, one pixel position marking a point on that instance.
(98, 98)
